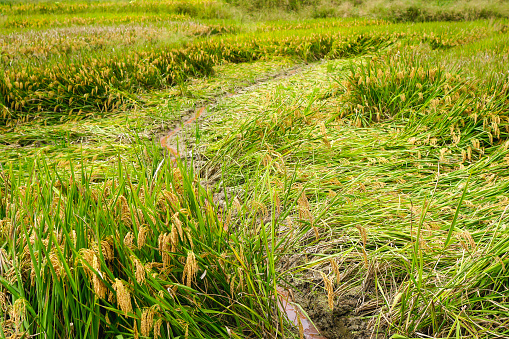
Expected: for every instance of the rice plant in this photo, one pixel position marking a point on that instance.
(145, 252)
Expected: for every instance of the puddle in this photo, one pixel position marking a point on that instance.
(296, 316)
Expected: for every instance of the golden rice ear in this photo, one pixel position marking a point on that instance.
(168, 198)
(55, 263)
(165, 247)
(173, 239)
(304, 208)
(330, 290)
(323, 132)
(123, 207)
(301, 328)
(99, 287)
(18, 313)
(140, 272)
(107, 249)
(142, 236)
(177, 181)
(277, 202)
(86, 259)
(123, 297)
(363, 234)
(157, 328)
(267, 159)
(190, 269)
(335, 269)
(467, 238)
(364, 237)
(178, 224)
(236, 205)
(147, 321)
(136, 334)
(129, 240)
(4, 301)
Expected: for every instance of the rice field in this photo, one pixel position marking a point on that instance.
(173, 169)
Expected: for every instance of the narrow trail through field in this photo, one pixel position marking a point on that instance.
(173, 140)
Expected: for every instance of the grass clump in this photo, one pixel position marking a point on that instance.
(394, 11)
(37, 15)
(424, 11)
(189, 7)
(143, 253)
(42, 22)
(398, 224)
(94, 84)
(388, 88)
(436, 97)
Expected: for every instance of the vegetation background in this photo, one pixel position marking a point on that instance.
(173, 168)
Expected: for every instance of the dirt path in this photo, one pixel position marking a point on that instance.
(175, 141)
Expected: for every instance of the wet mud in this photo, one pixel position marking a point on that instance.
(297, 317)
(345, 321)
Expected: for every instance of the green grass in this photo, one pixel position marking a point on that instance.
(98, 140)
(136, 252)
(74, 85)
(90, 182)
(88, 7)
(371, 171)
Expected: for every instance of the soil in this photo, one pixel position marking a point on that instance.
(342, 322)
(349, 317)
